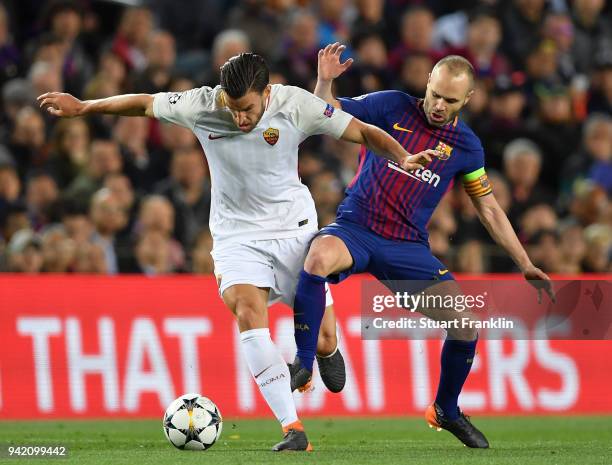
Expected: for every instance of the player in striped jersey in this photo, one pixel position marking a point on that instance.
(381, 224)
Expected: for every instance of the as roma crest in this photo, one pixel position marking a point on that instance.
(270, 135)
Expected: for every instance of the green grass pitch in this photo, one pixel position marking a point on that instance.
(381, 441)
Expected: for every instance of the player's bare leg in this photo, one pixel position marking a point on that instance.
(328, 338)
(250, 306)
(316, 325)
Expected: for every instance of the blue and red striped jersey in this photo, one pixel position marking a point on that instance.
(395, 203)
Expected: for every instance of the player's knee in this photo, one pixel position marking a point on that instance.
(248, 313)
(326, 343)
(319, 262)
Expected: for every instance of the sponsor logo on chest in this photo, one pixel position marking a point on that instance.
(422, 175)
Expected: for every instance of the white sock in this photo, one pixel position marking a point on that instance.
(270, 372)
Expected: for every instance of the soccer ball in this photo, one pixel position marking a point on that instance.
(192, 422)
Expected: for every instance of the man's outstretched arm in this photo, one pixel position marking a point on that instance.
(497, 224)
(378, 141)
(67, 106)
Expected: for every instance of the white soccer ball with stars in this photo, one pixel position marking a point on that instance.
(192, 422)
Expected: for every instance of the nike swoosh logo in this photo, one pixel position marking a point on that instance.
(442, 272)
(211, 137)
(263, 371)
(399, 128)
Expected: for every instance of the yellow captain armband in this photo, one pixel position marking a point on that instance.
(477, 183)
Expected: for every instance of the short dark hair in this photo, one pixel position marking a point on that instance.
(244, 73)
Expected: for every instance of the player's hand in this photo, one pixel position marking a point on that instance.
(540, 280)
(61, 104)
(329, 65)
(419, 160)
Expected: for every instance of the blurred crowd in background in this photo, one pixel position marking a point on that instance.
(116, 194)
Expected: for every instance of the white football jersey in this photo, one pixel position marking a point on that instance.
(256, 191)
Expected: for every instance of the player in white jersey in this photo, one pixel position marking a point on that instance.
(262, 216)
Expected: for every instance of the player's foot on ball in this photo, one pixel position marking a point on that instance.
(332, 371)
(294, 439)
(301, 378)
(462, 428)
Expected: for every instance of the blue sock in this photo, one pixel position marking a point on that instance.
(456, 362)
(308, 310)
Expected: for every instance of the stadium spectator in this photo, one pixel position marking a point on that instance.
(130, 42)
(58, 250)
(69, 150)
(188, 189)
(153, 253)
(227, 44)
(333, 26)
(89, 258)
(157, 215)
(76, 223)
(484, 35)
(538, 218)
(504, 120)
(144, 167)
(370, 18)
(263, 22)
(300, 48)
(590, 203)
(416, 36)
(63, 21)
(161, 57)
(121, 188)
(522, 167)
(28, 140)
(13, 217)
(104, 158)
(543, 248)
(42, 197)
(24, 253)
(554, 129)
(522, 23)
(108, 219)
(10, 58)
(599, 245)
(601, 89)
(45, 76)
(593, 32)
(413, 75)
(573, 249)
(10, 185)
(194, 31)
(559, 28)
(592, 157)
(16, 94)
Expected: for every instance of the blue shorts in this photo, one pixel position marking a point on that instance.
(387, 260)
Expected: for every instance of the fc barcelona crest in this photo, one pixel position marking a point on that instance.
(270, 135)
(445, 150)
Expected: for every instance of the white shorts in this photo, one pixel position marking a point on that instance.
(272, 263)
